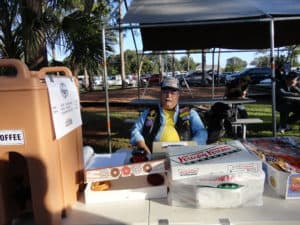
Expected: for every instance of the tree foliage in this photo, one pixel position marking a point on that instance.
(28, 29)
(150, 63)
(262, 61)
(287, 55)
(235, 64)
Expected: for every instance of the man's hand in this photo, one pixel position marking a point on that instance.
(142, 144)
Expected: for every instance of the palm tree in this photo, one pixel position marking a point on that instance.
(33, 32)
(23, 35)
(82, 33)
(10, 42)
(28, 27)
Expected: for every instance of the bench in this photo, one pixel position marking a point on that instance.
(244, 122)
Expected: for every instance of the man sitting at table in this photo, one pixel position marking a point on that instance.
(168, 122)
(288, 87)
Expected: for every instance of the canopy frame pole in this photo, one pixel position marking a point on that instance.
(213, 74)
(106, 91)
(272, 62)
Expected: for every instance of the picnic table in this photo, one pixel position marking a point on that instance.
(193, 102)
(292, 98)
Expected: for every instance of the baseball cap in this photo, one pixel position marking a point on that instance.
(170, 83)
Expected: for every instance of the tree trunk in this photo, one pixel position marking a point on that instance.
(161, 65)
(87, 83)
(35, 58)
(121, 43)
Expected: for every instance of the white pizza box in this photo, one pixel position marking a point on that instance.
(104, 167)
(215, 192)
(161, 146)
(228, 158)
(125, 188)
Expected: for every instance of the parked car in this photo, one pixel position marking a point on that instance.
(97, 80)
(223, 76)
(151, 80)
(256, 74)
(232, 76)
(131, 80)
(267, 83)
(194, 79)
(114, 80)
(81, 81)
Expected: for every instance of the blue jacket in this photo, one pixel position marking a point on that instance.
(199, 132)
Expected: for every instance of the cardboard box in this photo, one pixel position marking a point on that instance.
(129, 188)
(160, 148)
(285, 184)
(127, 170)
(199, 160)
(103, 167)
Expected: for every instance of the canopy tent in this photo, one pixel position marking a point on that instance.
(202, 24)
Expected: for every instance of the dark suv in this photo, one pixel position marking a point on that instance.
(257, 74)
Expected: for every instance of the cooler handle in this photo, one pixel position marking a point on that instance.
(54, 69)
(22, 69)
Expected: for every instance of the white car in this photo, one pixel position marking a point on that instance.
(117, 80)
(114, 80)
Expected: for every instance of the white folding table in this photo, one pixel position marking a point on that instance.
(275, 211)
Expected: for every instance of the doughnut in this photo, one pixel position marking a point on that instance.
(147, 167)
(100, 186)
(115, 172)
(126, 170)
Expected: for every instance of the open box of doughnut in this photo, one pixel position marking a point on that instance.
(111, 177)
(103, 167)
(126, 188)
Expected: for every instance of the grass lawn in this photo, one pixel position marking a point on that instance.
(95, 128)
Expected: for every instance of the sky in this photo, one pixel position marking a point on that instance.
(129, 44)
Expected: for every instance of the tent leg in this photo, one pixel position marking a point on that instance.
(106, 91)
(273, 76)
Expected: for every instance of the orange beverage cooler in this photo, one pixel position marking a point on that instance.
(38, 173)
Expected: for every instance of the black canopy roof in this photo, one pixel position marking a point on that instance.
(200, 24)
